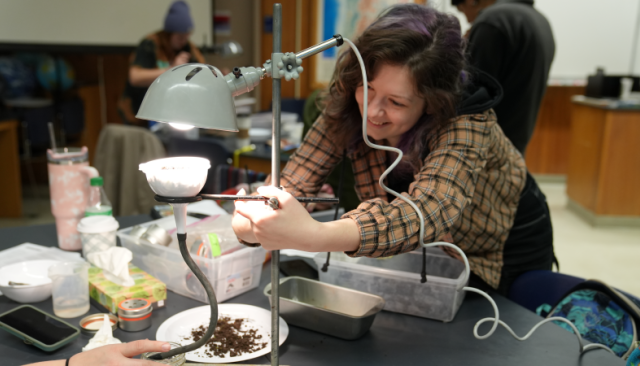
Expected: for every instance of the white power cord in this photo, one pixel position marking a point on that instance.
(496, 320)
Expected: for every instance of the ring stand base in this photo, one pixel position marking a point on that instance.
(164, 199)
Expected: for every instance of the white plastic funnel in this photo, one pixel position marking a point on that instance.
(176, 177)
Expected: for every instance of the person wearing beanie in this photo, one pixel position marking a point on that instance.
(156, 53)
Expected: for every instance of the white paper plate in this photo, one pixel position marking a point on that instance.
(180, 325)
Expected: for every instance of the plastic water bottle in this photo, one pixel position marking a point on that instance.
(98, 202)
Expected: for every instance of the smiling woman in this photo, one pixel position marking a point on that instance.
(416, 55)
(466, 178)
(394, 105)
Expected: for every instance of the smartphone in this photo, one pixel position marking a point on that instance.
(38, 328)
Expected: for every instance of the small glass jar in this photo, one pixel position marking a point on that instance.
(177, 360)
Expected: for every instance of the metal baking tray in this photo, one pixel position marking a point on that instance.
(325, 308)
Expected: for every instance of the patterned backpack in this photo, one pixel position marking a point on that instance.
(602, 315)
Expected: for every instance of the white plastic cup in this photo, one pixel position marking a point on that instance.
(70, 289)
(97, 233)
(626, 84)
(244, 125)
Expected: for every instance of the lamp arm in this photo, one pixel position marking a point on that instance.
(335, 41)
(244, 79)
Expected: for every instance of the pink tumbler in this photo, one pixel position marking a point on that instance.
(69, 174)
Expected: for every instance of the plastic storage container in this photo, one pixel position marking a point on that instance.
(397, 281)
(230, 275)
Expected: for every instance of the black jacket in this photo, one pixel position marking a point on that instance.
(482, 92)
(513, 42)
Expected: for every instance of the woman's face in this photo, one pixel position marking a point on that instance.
(179, 40)
(394, 105)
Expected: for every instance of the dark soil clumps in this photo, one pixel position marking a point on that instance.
(229, 338)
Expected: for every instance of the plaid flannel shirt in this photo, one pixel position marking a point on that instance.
(469, 186)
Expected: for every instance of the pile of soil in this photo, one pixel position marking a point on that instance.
(229, 338)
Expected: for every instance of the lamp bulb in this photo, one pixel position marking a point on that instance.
(181, 126)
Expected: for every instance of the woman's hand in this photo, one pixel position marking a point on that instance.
(241, 225)
(181, 59)
(326, 192)
(115, 354)
(291, 226)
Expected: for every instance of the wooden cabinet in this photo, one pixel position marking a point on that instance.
(604, 165)
(11, 197)
(548, 150)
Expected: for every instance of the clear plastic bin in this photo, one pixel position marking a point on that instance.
(230, 275)
(397, 280)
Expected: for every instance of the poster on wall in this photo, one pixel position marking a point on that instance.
(348, 18)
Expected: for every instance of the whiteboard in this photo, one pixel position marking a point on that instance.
(588, 34)
(93, 22)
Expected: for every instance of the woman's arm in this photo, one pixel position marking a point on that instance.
(291, 226)
(144, 69)
(115, 354)
(303, 175)
(441, 190)
(141, 77)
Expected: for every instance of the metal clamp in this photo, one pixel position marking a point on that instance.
(289, 66)
(273, 203)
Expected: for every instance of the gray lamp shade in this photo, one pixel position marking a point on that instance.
(191, 94)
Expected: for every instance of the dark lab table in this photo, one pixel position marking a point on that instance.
(394, 339)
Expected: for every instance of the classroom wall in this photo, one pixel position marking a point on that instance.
(93, 22)
(242, 24)
(588, 34)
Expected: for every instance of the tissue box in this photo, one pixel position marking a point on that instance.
(110, 295)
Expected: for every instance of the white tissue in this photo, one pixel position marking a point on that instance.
(115, 265)
(103, 337)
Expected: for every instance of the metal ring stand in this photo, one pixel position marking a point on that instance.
(165, 199)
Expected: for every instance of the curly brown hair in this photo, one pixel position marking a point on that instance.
(421, 38)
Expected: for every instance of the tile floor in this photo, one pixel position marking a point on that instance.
(608, 254)
(611, 255)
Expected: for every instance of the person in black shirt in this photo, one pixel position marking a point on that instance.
(155, 54)
(513, 42)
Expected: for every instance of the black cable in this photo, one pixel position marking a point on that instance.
(246, 178)
(325, 267)
(235, 197)
(213, 302)
(423, 274)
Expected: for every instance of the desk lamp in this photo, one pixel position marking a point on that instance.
(200, 95)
